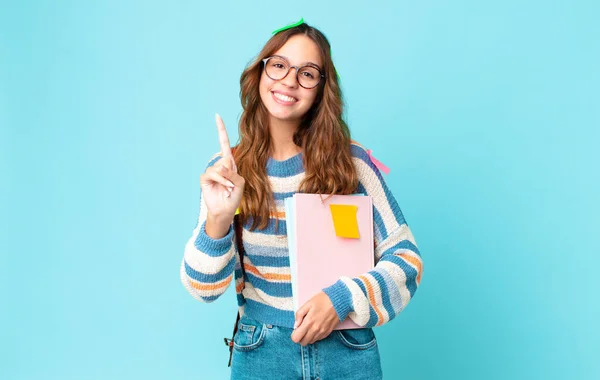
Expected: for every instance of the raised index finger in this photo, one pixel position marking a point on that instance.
(224, 140)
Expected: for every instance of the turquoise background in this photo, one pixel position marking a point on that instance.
(487, 112)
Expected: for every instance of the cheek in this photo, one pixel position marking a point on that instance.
(262, 88)
(309, 97)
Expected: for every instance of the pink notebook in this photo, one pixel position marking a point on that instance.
(318, 257)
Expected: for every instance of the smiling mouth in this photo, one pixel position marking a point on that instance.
(283, 99)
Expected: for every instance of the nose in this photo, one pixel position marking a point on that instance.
(291, 79)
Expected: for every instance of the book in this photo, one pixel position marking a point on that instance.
(328, 237)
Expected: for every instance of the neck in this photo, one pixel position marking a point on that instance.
(282, 139)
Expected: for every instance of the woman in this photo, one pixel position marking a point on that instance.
(293, 139)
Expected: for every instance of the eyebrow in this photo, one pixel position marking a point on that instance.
(307, 63)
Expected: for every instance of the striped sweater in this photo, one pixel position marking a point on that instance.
(265, 294)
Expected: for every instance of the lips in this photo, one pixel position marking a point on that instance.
(283, 99)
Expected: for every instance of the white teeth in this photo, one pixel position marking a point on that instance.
(284, 97)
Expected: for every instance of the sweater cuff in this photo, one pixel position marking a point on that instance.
(340, 296)
(213, 247)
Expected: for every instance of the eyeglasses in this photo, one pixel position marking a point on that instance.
(277, 68)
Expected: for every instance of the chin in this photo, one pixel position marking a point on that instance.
(284, 115)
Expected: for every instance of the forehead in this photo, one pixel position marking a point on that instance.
(300, 49)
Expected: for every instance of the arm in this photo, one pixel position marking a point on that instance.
(207, 266)
(376, 297)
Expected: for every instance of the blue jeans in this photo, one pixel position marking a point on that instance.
(262, 351)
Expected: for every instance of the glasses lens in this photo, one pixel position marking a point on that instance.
(309, 76)
(276, 68)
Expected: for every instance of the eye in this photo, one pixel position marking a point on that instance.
(278, 65)
(308, 75)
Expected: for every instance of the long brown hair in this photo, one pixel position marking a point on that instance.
(323, 136)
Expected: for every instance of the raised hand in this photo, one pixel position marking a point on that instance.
(222, 187)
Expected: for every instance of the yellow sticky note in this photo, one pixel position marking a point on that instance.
(344, 220)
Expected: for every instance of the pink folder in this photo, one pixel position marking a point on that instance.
(318, 257)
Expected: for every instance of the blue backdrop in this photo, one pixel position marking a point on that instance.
(488, 114)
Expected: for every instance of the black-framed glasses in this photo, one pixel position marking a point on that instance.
(277, 68)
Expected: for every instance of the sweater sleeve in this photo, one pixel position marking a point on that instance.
(377, 296)
(207, 266)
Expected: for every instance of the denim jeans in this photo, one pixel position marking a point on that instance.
(262, 351)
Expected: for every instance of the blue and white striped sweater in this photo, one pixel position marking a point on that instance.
(371, 299)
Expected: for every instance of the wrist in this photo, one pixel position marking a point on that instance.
(217, 226)
(341, 298)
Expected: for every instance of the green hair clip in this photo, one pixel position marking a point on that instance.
(289, 26)
(300, 23)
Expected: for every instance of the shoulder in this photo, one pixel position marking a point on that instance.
(362, 161)
(358, 151)
(371, 181)
(215, 157)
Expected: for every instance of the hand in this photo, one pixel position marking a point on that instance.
(222, 187)
(315, 320)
